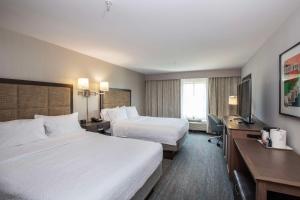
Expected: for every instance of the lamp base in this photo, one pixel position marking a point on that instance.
(83, 121)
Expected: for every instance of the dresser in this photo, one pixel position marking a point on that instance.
(275, 174)
(234, 128)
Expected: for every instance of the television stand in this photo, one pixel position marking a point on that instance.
(241, 121)
(246, 123)
(234, 129)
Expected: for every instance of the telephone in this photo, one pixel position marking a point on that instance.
(94, 119)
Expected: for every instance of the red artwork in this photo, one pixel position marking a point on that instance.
(292, 81)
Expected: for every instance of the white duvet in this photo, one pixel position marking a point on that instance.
(83, 166)
(162, 130)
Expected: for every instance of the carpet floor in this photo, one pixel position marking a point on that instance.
(198, 172)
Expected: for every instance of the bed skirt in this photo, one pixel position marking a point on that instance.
(167, 147)
(142, 193)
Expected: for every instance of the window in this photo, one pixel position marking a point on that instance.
(194, 99)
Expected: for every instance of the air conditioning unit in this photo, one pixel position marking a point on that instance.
(198, 125)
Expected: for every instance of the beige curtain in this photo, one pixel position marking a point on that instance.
(219, 90)
(163, 98)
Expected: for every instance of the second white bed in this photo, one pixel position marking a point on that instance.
(163, 130)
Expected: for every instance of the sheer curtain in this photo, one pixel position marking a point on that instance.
(194, 99)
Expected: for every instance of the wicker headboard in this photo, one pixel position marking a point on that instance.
(20, 99)
(116, 97)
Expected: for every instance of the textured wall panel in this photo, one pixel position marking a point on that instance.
(8, 96)
(28, 113)
(19, 100)
(59, 110)
(31, 96)
(59, 96)
(116, 97)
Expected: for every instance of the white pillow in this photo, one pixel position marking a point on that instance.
(117, 114)
(19, 132)
(61, 125)
(132, 112)
(104, 114)
(123, 110)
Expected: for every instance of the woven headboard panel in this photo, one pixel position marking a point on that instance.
(116, 97)
(21, 99)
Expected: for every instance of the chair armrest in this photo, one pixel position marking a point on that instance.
(220, 125)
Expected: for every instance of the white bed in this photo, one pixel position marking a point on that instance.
(126, 122)
(79, 166)
(163, 130)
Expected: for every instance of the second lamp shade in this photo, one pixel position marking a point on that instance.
(104, 86)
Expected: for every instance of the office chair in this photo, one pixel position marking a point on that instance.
(216, 126)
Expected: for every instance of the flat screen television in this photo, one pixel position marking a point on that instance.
(245, 100)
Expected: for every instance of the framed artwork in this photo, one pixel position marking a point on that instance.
(289, 76)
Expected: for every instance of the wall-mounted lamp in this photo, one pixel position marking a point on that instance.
(84, 89)
(83, 86)
(233, 102)
(104, 87)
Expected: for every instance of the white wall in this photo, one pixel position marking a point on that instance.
(195, 74)
(264, 66)
(23, 57)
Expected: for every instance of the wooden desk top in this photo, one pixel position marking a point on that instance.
(232, 123)
(278, 166)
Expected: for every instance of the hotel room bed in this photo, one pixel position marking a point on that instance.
(73, 166)
(82, 166)
(168, 131)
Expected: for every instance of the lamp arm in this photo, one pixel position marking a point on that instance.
(87, 109)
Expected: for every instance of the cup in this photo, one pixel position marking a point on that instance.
(264, 136)
(278, 138)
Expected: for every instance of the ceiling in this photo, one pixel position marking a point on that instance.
(153, 36)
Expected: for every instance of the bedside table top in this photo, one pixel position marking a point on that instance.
(94, 124)
(97, 127)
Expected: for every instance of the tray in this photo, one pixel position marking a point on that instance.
(288, 148)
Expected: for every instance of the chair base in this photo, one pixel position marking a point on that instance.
(218, 138)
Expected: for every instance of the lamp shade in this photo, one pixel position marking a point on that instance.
(83, 83)
(233, 100)
(104, 86)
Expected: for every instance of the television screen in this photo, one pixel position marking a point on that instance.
(245, 96)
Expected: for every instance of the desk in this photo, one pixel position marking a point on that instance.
(232, 130)
(272, 170)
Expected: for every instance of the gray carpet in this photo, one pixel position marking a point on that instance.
(197, 172)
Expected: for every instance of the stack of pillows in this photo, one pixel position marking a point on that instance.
(20, 132)
(60, 125)
(119, 113)
(24, 131)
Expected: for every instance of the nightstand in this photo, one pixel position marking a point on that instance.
(98, 127)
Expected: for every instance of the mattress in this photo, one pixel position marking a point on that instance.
(162, 130)
(82, 166)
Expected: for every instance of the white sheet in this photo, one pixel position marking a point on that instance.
(162, 130)
(85, 166)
